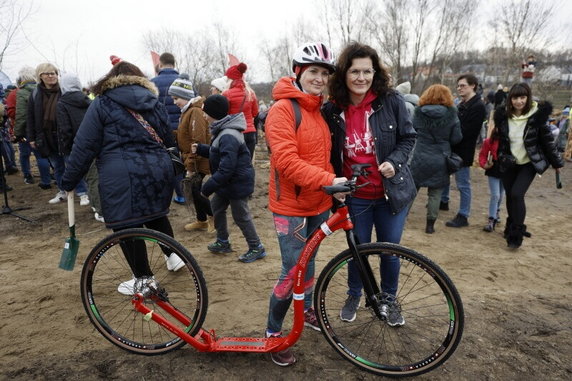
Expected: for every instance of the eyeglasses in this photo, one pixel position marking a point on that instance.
(461, 85)
(50, 74)
(367, 73)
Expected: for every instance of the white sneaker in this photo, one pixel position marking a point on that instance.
(174, 262)
(128, 287)
(84, 200)
(60, 197)
(99, 217)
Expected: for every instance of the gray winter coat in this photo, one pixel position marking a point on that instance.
(438, 128)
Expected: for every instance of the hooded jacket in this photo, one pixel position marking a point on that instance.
(438, 128)
(538, 139)
(22, 98)
(136, 176)
(229, 159)
(239, 102)
(193, 128)
(70, 110)
(300, 161)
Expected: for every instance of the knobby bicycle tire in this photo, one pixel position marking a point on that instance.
(427, 299)
(112, 312)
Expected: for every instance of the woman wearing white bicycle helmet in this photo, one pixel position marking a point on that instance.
(300, 146)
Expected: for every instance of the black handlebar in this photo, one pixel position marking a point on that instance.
(350, 185)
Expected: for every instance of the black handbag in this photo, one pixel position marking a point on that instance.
(454, 163)
(506, 162)
(178, 165)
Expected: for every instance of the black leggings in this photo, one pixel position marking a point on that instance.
(516, 182)
(250, 138)
(136, 252)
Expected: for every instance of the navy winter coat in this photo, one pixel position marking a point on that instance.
(163, 81)
(394, 139)
(229, 159)
(136, 175)
(438, 128)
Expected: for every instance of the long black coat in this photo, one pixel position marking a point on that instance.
(438, 128)
(539, 142)
(471, 114)
(135, 172)
(70, 110)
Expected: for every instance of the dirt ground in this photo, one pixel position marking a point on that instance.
(517, 303)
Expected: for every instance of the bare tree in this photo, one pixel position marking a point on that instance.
(393, 21)
(453, 20)
(14, 15)
(195, 55)
(524, 25)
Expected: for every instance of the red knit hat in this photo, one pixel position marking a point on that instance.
(236, 71)
(114, 60)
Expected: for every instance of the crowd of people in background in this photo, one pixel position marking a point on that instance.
(109, 146)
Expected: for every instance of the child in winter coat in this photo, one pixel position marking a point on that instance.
(488, 161)
(232, 180)
(193, 128)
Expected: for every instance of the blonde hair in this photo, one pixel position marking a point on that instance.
(43, 68)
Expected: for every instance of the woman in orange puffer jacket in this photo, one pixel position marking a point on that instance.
(299, 168)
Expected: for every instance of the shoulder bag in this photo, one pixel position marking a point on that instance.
(178, 165)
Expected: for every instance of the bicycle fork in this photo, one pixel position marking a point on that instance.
(370, 286)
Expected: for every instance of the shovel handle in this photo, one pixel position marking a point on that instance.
(71, 209)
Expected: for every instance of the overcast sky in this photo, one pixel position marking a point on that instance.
(80, 35)
(83, 34)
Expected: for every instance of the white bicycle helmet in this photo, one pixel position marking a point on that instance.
(316, 53)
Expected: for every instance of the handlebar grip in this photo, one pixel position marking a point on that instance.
(339, 188)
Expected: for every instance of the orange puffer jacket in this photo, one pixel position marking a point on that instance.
(237, 99)
(300, 160)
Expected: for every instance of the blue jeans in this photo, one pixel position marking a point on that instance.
(43, 164)
(496, 189)
(463, 181)
(292, 234)
(59, 164)
(388, 228)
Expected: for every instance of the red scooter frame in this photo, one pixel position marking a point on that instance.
(206, 341)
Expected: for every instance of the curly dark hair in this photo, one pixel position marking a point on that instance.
(338, 89)
(121, 68)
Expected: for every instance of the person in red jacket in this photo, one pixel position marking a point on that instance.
(300, 167)
(488, 161)
(242, 98)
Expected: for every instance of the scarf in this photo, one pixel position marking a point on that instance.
(50, 99)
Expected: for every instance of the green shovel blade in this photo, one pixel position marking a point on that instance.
(67, 260)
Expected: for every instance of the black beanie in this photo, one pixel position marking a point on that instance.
(216, 106)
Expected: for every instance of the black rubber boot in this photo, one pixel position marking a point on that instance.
(430, 227)
(507, 227)
(515, 235)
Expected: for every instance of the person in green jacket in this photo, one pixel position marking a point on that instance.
(26, 87)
